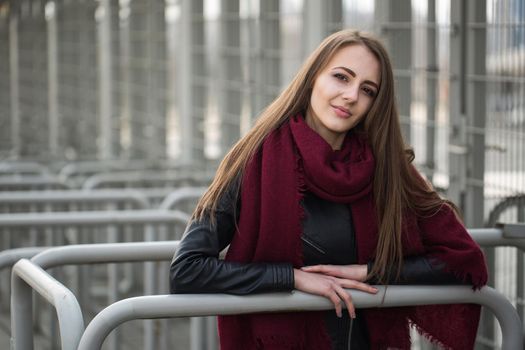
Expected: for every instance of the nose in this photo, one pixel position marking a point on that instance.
(351, 93)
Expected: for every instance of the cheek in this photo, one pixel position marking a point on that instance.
(323, 91)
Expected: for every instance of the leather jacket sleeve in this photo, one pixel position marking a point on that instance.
(420, 270)
(196, 267)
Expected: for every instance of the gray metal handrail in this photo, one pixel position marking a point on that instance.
(503, 235)
(31, 180)
(9, 257)
(75, 196)
(71, 323)
(182, 194)
(20, 167)
(92, 167)
(168, 306)
(97, 180)
(150, 216)
(105, 253)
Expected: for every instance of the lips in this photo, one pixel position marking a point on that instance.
(342, 112)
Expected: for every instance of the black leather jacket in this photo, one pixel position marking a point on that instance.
(328, 238)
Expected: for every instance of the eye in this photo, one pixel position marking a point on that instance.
(369, 91)
(341, 76)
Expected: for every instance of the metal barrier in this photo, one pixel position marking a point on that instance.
(82, 170)
(163, 215)
(10, 256)
(73, 254)
(75, 196)
(68, 311)
(203, 305)
(15, 182)
(56, 219)
(18, 167)
(167, 306)
(70, 197)
(21, 298)
(120, 217)
(129, 177)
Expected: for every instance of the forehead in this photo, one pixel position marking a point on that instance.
(359, 59)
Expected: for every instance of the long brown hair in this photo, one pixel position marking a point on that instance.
(396, 188)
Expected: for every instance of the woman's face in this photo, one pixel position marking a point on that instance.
(343, 92)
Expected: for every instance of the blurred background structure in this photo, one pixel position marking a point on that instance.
(169, 85)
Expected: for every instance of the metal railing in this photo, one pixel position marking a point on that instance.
(21, 297)
(19, 167)
(162, 215)
(150, 177)
(168, 306)
(68, 311)
(18, 182)
(486, 237)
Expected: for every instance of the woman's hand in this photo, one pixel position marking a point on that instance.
(330, 287)
(351, 272)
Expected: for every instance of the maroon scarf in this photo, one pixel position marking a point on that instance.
(294, 159)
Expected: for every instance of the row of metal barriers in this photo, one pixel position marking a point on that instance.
(30, 275)
(93, 203)
(43, 230)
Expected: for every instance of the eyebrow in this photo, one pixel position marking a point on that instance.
(352, 73)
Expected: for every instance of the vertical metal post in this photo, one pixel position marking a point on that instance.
(52, 77)
(156, 78)
(314, 24)
(105, 80)
(14, 14)
(457, 123)
(230, 61)
(23, 321)
(184, 89)
(125, 122)
(113, 279)
(432, 81)
(191, 91)
(393, 23)
(467, 118)
(476, 112)
(149, 289)
(266, 64)
(475, 94)
(520, 283)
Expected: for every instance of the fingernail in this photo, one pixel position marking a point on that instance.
(353, 315)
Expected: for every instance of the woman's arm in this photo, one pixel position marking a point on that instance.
(415, 270)
(196, 267)
(420, 270)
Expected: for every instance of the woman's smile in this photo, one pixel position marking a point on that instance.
(342, 112)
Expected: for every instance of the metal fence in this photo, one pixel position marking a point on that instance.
(163, 306)
(182, 80)
(146, 84)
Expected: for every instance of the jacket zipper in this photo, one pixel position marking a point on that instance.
(312, 244)
(350, 334)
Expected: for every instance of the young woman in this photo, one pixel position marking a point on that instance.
(320, 195)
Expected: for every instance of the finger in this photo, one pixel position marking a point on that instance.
(328, 270)
(316, 268)
(345, 283)
(347, 299)
(334, 298)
